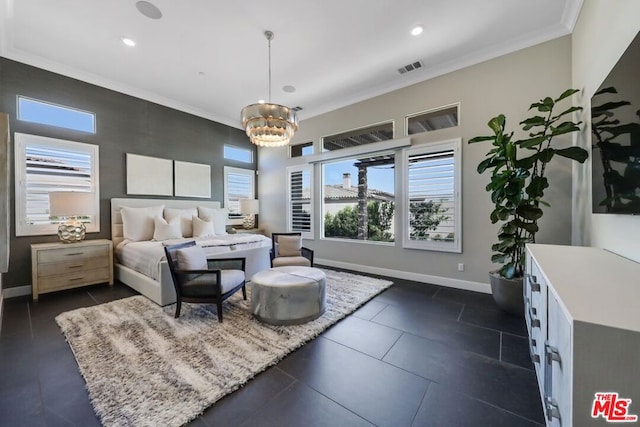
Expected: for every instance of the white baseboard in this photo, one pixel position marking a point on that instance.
(18, 291)
(418, 277)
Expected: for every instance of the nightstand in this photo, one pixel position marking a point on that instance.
(58, 266)
(251, 230)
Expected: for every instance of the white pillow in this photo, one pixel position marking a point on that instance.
(184, 215)
(137, 223)
(289, 246)
(192, 258)
(217, 216)
(166, 230)
(202, 228)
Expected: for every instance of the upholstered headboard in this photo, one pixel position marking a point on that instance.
(116, 217)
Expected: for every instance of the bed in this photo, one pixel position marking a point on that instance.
(141, 263)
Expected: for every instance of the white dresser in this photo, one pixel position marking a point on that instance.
(582, 307)
(58, 266)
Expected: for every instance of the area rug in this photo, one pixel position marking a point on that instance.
(142, 367)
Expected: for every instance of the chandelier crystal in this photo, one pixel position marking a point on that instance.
(267, 124)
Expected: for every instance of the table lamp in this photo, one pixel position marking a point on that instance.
(249, 207)
(70, 205)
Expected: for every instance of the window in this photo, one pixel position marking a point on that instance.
(431, 120)
(44, 165)
(359, 198)
(46, 113)
(239, 154)
(300, 150)
(300, 200)
(362, 136)
(432, 197)
(238, 184)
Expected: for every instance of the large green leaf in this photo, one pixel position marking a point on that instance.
(565, 127)
(531, 213)
(567, 111)
(497, 124)
(567, 93)
(531, 142)
(546, 155)
(481, 138)
(533, 121)
(537, 186)
(544, 106)
(574, 153)
(508, 270)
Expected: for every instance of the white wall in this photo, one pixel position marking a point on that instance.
(603, 31)
(507, 84)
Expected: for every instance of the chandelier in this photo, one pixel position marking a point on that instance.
(267, 124)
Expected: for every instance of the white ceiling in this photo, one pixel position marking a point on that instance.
(210, 58)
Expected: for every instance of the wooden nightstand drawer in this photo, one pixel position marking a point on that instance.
(58, 266)
(72, 280)
(72, 252)
(71, 266)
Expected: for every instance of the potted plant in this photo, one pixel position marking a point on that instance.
(517, 188)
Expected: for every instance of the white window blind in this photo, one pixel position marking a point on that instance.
(44, 165)
(300, 199)
(239, 184)
(433, 198)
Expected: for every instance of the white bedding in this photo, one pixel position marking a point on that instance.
(145, 257)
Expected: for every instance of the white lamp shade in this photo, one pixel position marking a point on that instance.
(249, 206)
(70, 203)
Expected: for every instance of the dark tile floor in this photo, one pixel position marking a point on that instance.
(415, 355)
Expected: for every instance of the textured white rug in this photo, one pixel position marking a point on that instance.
(145, 368)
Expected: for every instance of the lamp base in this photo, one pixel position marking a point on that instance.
(249, 222)
(71, 231)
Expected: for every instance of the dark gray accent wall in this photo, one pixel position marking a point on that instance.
(124, 124)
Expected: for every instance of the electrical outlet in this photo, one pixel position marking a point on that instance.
(460, 267)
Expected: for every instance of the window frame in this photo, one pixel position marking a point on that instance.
(358, 129)
(441, 246)
(235, 147)
(303, 145)
(429, 111)
(59, 106)
(395, 153)
(23, 228)
(233, 218)
(308, 168)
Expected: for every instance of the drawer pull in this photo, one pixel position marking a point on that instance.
(552, 409)
(533, 283)
(75, 279)
(76, 266)
(553, 355)
(535, 323)
(534, 356)
(75, 254)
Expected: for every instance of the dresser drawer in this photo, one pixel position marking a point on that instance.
(72, 253)
(71, 280)
(72, 266)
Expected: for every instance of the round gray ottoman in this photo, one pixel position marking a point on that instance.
(288, 295)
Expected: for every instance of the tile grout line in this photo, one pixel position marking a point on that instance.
(500, 348)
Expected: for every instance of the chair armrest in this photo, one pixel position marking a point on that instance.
(308, 254)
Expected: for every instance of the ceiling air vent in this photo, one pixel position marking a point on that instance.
(410, 67)
(298, 108)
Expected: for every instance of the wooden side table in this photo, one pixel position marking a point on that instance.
(58, 266)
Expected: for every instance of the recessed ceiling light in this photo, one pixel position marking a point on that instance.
(417, 30)
(128, 41)
(289, 88)
(149, 10)
(260, 101)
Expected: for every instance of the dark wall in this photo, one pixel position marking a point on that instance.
(124, 124)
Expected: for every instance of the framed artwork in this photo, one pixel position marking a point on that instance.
(149, 175)
(192, 179)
